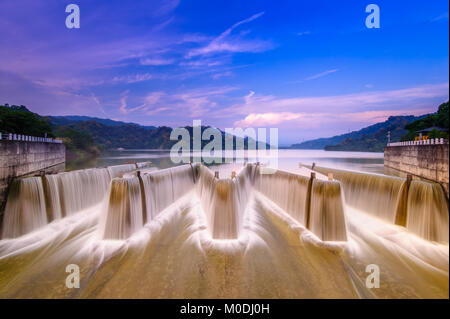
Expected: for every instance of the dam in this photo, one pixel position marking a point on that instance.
(426, 159)
(136, 231)
(22, 155)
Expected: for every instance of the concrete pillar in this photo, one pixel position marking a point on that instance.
(402, 208)
(143, 201)
(308, 200)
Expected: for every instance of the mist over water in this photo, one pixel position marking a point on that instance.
(183, 233)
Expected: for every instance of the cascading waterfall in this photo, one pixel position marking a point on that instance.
(428, 211)
(52, 194)
(317, 204)
(135, 200)
(375, 194)
(79, 189)
(183, 254)
(243, 187)
(218, 204)
(125, 213)
(289, 191)
(163, 187)
(420, 206)
(51, 197)
(224, 201)
(327, 219)
(25, 208)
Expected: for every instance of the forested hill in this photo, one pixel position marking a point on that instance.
(70, 119)
(369, 139)
(90, 134)
(127, 135)
(19, 120)
(439, 119)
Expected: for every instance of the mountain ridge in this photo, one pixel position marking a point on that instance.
(68, 119)
(372, 138)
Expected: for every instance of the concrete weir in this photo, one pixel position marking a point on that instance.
(419, 206)
(425, 161)
(22, 158)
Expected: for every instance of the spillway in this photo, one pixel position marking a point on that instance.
(183, 232)
(418, 205)
(224, 201)
(135, 200)
(25, 209)
(427, 211)
(315, 203)
(35, 201)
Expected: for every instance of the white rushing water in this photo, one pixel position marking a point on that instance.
(183, 233)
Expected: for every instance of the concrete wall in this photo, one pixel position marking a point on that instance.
(18, 158)
(426, 161)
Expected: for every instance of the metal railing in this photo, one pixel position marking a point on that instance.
(431, 141)
(26, 138)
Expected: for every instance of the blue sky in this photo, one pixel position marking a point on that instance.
(310, 68)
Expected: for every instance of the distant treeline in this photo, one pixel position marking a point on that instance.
(375, 137)
(439, 119)
(17, 119)
(85, 135)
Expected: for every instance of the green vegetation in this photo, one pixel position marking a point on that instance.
(79, 145)
(130, 136)
(369, 139)
(19, 120)
(438, 119)
(108, 134)
(374, 138)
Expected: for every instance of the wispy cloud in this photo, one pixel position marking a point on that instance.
(221, 75)
(156, 61)
(234, 26)
(147, 102)
(314, 120)
(443, 16)
(222, 43)
(205, 62)
(123, 105)
(166, 6)
(303, 33)
(132, 78)
(194, 103)
(163, 24)
(367, 106)
(322, 74)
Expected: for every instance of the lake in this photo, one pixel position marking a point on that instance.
(287, 159)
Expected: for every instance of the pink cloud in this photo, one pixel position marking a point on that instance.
(374, 100)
